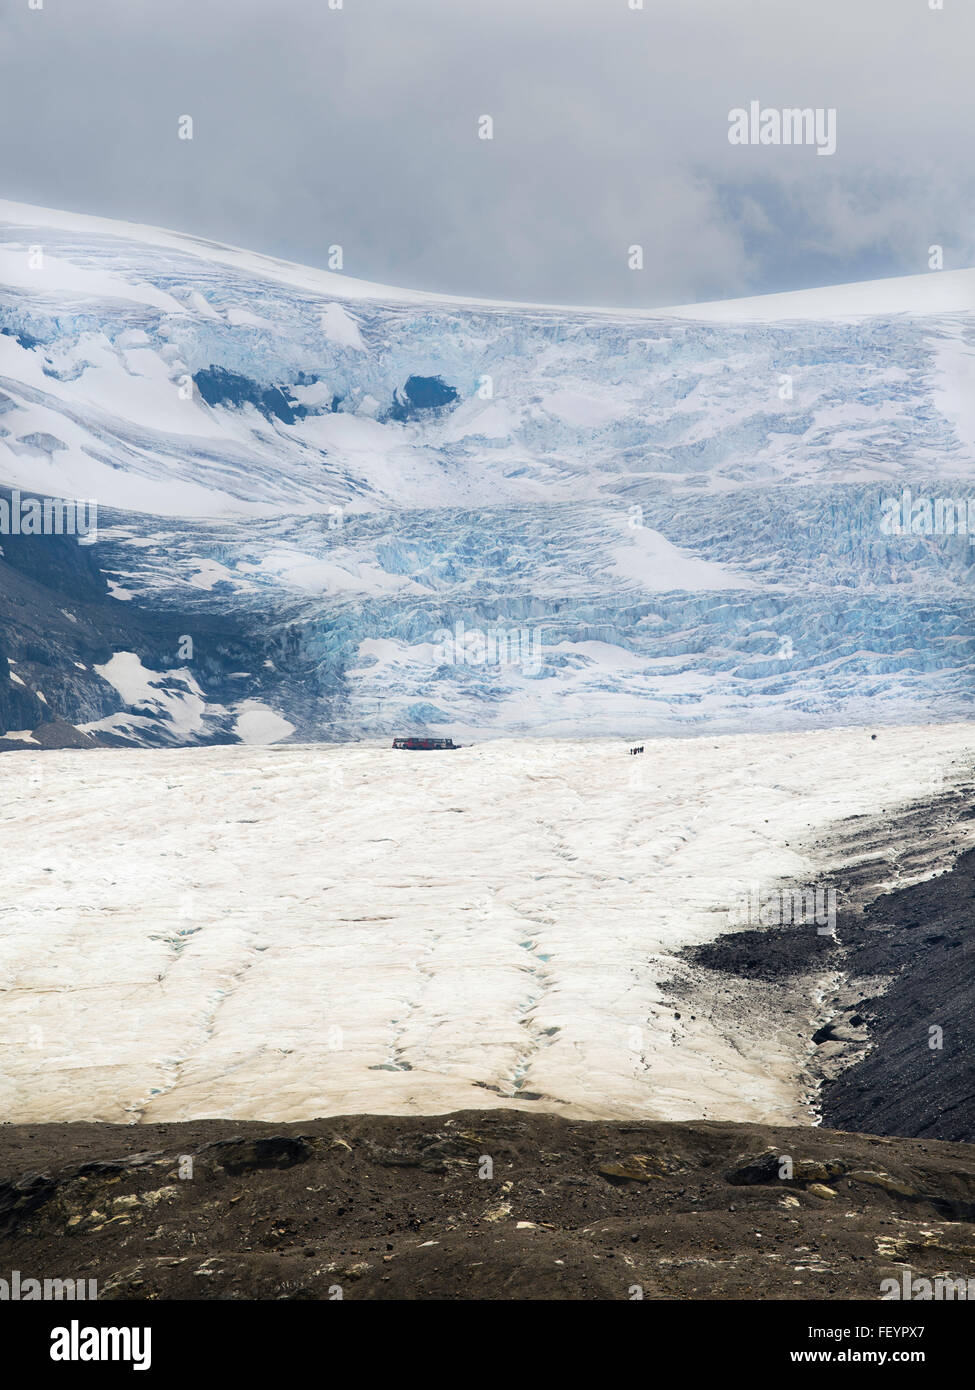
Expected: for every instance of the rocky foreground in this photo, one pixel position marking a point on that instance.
(481, 1205)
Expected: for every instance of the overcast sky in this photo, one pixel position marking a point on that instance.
(359, 126)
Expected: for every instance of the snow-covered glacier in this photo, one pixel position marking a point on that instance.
(328, 509)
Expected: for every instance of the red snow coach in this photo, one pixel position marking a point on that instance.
(424, 743)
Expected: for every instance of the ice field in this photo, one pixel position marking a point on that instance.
(286, 932)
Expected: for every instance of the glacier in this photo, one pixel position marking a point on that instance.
(292, 931)
(374, 511)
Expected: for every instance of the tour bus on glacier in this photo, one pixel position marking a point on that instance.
(424, 743)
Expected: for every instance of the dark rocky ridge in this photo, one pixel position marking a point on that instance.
(918, 1077)
(394, 1208)
(907, 959)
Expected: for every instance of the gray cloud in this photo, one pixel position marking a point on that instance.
(358, 126)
